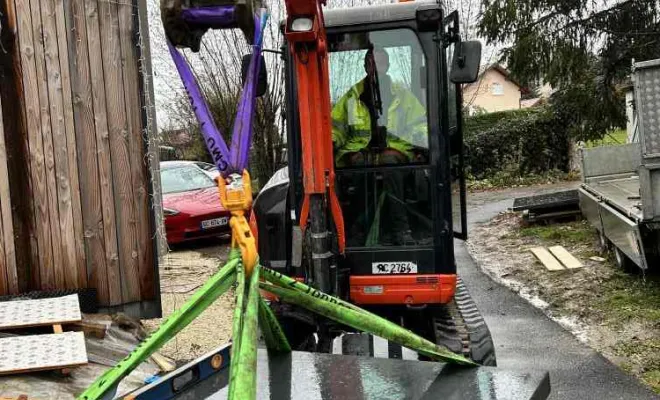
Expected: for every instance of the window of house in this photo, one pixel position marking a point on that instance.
(496, 89)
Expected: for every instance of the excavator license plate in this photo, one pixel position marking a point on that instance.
(395, 267)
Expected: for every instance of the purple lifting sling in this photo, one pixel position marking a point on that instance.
(235, 159)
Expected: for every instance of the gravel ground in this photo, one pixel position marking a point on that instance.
(183, 271)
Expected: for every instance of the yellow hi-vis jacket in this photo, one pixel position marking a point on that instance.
(406, 122)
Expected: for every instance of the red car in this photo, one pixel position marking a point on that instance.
(191, 204)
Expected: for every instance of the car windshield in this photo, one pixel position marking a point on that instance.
(184, 179)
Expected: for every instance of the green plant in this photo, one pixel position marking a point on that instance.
(512, 144)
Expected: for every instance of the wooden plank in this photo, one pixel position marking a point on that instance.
(42, 352)
(111, 293)
(165, 364)
(4, 198)
(84, 120)
(54, 277)
(64, 26)
(39, 312)
(6, 215)
(44, 267)
(12, 93)
(550, 263)
(3, 263)
(9, 253)
(8, 274)
(62, 219)
(121, 165)
(565, 257)
(130, 40)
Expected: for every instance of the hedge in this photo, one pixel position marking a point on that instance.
(523, 141)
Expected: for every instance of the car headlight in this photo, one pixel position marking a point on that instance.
(169, 212)
(302, 24)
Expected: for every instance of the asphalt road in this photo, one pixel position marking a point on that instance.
(526, 339)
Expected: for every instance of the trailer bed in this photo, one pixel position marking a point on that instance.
(620, 193)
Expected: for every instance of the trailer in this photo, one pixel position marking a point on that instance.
(620, 193)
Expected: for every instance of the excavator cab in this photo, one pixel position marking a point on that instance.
(395, 73)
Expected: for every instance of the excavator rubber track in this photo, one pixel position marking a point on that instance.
(460, 327)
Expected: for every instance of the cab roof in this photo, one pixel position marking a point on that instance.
(375, 14)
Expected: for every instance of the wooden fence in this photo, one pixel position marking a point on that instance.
(75, 181)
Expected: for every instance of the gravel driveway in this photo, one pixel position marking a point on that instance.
(183, 271)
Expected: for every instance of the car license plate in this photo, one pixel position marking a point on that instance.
(395, 267)
(214, 223)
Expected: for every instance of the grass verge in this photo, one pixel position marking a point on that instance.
(508, 179)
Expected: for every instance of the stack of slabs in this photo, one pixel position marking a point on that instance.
(59, 350)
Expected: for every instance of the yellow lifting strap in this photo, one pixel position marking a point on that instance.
(236, 197)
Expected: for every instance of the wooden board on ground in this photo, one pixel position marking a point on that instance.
(51, 311)
(42, 352)
(547, 259)
(565, 257)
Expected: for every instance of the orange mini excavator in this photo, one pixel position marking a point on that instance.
(374, 192)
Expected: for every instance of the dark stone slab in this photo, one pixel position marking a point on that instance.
(309, 376)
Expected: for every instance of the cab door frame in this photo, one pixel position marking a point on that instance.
(451, 34)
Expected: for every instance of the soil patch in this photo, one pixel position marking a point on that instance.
(182, 272)
(615, 312)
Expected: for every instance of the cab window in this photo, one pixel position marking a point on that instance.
(378, 98)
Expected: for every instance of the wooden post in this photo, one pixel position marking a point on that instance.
(121, 162)
(129, 38)
(150, 285)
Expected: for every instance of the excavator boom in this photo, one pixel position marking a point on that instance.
(305, 34)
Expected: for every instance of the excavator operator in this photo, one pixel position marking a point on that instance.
(378, 102)
(381, 122)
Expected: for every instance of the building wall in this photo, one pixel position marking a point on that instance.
(493, 92)
(77, 118)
